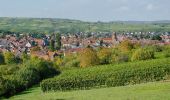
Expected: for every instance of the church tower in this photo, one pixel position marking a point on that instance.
(114, 38)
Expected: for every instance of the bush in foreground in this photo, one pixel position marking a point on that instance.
(27, 75)
(109, 75)
(143, 54)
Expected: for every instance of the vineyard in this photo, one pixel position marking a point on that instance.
(109, 75)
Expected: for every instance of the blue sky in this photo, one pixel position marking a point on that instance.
(88, 10)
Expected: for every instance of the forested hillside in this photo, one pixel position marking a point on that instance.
(49, 25)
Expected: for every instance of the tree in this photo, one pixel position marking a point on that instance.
(2, 61)
(88, 57)
(126, 46)
(143, 54)
(118, 56)
(156, 37)
(25, 57)
(58, 41)
(9, 58)
(166, 51)
(104, 55)
(52, 45)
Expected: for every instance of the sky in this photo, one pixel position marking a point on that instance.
(88, 10)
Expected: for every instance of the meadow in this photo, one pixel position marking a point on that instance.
(147, 91)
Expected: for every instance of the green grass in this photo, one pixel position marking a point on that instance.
(147, 91)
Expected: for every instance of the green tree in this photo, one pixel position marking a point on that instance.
(126, 46)
(2, 61)
(166, 51)
(58, 41)
(156, 37)
(143, 54)
(25, 57)
(52, 45)
(88, 57)
(104, 55)
(9, 58)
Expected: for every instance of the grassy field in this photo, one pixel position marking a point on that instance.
(147, 91)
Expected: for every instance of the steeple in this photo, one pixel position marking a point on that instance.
(114, 37)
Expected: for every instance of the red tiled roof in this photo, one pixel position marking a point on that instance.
(107, 39)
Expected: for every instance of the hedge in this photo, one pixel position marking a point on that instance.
(109, 75)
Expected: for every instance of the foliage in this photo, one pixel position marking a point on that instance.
(28, 76)
(49, 25)
(73, 63)
(25, 57)
(58, 41)
(2, 60)
(167, 51)
(58, 61)
(52, 45)
(118, 56)
(157, 37)
(104, 55)
(109, 75)
(88, 57)
(44, 68)
(143, 54)
(157, 48)
(9, 58)
(6, 70)
(16, 78)
(21, 80)
(126, 46)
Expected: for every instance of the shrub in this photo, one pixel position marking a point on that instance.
(58, 61)
(109, 75)
(44, 68)
(157, 48)
(143, 54)
(2, 88)
(9, 58)
(20, 81)
(118, 56)
(25, 76)
(2, 61)
(167, 51)
(88, 57)
(126, 46)
(121, 57)
(73, 63)
(28, 76)
(8, 69)
(104, 55)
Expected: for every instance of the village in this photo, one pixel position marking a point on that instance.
(73, 43)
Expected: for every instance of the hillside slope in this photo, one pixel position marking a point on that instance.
(49, 25)
(148, 91)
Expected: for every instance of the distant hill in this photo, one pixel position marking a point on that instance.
(50, 25)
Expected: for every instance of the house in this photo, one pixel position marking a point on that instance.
(166, 38)
(28, 45)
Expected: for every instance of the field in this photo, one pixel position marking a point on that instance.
(49, 25)
(147, 91)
